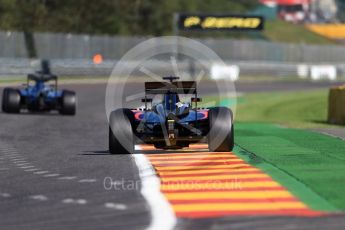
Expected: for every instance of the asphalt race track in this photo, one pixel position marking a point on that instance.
(53, 169)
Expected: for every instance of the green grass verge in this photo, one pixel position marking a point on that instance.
(297, 109)
(310, 165)
(298, 189)
(281, 31)
(303, 158)
(302, 109)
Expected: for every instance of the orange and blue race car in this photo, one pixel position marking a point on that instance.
(170, 123)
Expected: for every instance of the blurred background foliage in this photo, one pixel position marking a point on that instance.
(123, 17)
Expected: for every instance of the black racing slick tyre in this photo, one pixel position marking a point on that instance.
(221, 133)
(121, 136)
(11, 101)
(4, 100)
(68, 103)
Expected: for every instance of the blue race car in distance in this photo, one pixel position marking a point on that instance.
(39, 96)
(170, 124)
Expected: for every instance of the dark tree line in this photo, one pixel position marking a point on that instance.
(125, 17)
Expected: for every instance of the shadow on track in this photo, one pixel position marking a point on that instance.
(35, 114)
(98, 152)
(162, 151)
(153, 151)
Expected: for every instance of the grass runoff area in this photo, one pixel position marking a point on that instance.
(309, 164)
(281, 31)
(302, 109)
(268, 135)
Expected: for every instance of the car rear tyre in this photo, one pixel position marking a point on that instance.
(221, 134)
(11, 101)
(4, 100)
(121, 136)
(68, 103)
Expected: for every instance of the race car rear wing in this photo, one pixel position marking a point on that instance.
(180, 87)
(41, 77)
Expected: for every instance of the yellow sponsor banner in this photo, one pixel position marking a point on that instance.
(220, 22)
(332, 31)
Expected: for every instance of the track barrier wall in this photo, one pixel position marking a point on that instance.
(336, 110)
(72, 54)
(82, 46)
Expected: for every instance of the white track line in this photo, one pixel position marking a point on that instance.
(115, 206)
(74, 201)
(87, 180)
(39, 197)
(31, 170)
(41, 172)
(163, 217)
(5, 194)
(67, 178)
(22, 164)
(51, 175)
(27, 167)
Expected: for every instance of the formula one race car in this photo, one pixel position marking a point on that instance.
(170, 123)
(39, 96)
